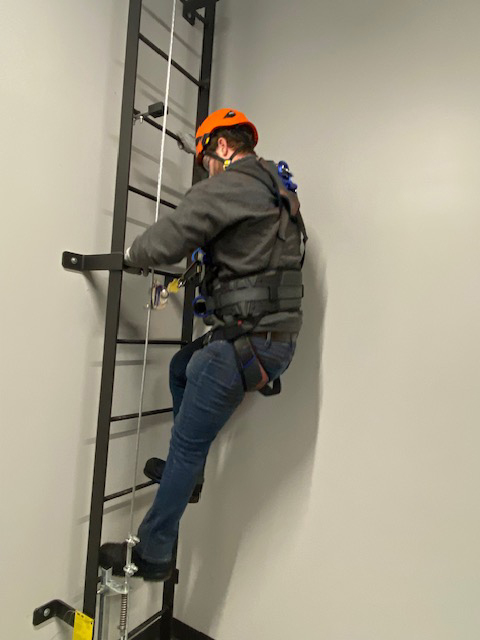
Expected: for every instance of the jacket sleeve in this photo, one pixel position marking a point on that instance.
(199, 217)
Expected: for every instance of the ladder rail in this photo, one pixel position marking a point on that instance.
(111, 328)
(163, 621)
(112, 310)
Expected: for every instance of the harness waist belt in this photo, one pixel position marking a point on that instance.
(275, 336)
(256, 294)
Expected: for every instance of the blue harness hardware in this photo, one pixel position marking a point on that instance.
(286, 176)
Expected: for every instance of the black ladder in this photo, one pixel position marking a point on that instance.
(161, 626)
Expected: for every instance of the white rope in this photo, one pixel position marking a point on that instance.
(149, 312)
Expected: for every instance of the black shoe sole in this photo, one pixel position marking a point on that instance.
(149, 577)
(113, 555)
(155, 577)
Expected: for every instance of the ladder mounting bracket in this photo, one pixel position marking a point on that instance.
(190, 6)
(98, 262)
(54, 609)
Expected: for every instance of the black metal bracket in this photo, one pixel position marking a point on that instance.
(156, 110)
(98, 262)
(107, 262)
(183, 632)
(54, 609)
(151, 629)
(190, 6)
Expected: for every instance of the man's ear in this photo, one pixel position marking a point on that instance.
(222, 143)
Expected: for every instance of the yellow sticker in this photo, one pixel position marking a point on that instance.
(83, 627)
(173, 286)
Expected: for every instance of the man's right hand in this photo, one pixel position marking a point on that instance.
(129, 267)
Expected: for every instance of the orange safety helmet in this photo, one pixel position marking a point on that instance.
(219, 120)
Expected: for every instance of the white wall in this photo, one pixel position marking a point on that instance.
(62, 73)
(345, 509)
(352, 513)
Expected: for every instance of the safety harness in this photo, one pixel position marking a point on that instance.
(242, 302)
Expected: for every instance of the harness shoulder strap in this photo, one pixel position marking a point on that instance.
(293, 203)
(287, 201)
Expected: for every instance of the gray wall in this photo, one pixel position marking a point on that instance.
(352, 513)
(347, 508)
(62, 73)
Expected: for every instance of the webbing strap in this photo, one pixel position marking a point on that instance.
(285, 201)
(255, 294)
(253, 374)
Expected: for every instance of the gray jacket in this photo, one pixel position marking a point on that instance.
(234, 217)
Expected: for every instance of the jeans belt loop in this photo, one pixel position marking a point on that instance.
(269, 340)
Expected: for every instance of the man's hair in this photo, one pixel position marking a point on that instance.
(239, 138)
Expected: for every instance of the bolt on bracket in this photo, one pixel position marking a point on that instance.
(110, 587)
(54, 609)
(97, 262)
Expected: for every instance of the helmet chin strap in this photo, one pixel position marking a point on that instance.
(226, 162)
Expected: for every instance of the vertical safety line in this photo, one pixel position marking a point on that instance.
(130, 540)
(149, 312)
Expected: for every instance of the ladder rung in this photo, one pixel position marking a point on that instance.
(148, 120)
(150, 196)
(129, 416)
(165, 57)
(152, 342)
(125, 492)
(167, 274)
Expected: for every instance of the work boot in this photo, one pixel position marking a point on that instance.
(114, 555)
(154, 468)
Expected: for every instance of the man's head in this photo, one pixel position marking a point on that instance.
(227, 145)
(224, 136)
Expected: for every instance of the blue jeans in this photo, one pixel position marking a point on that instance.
(206, 388)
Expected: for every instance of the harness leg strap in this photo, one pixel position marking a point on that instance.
(254, 377)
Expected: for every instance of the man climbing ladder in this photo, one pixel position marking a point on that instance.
(246, 217)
